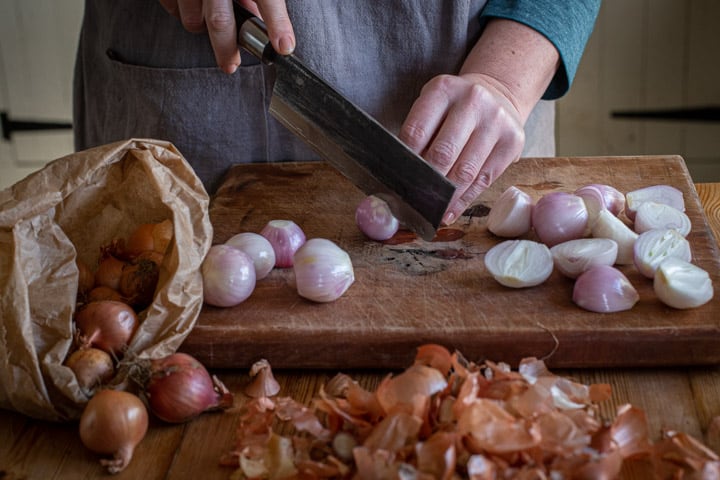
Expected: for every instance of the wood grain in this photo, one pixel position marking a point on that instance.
(411, 292)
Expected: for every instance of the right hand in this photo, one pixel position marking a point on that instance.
(216, 17)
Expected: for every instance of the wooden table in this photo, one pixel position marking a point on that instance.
(682, 399)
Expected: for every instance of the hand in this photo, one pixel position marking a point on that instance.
(216, 17)
(467, 127)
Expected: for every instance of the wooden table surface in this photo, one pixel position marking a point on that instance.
(682, 399)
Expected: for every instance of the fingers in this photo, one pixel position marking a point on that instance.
(220, 23)
(280, 31)
(191, 15)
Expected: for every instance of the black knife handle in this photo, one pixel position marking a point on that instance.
(252, 34)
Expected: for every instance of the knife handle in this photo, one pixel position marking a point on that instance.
(252, 34)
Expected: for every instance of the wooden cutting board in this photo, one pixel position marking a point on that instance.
(408, 292)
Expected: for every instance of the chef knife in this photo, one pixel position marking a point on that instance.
(370, 156)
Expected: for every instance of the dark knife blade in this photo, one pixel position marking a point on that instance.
(358, 146)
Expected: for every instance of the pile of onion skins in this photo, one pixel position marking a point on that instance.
(445, 417)
(586, 235)
(122, 389)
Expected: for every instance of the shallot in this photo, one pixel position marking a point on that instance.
(652, 215)
(612, 198)
(109, 271)
(609, 226)
(113, 423)
(680, 284)
(374, 218)
(323, 270)
(573, 257)
(92, 368)
(179, 388)
(665, 194)
(107, 325)
(258, 248)
(228, 276)
(138, 282)
(519, 263)
(286, 237)
(604, 289)
(654, 246)
(558, 217)
(149, 237)
(511, 215)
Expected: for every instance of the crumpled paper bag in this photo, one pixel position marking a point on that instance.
(71, 208)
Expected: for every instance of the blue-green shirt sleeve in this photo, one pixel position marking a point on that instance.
(566, 23)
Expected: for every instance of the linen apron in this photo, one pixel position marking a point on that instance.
(140, 74)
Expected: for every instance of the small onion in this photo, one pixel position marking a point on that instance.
(113, 423)
(109, 272)
(519, 263)
(286, 237)
(259, 249)
(558, 217)
(665, 194)
(92, 368)
(654, 246)
(680, 284)
(573, 257)
(653, 215)
(149, 237)
(179, 388)
(138, 283)
(228, 276)
(323, 270)
(609, 226)
(604, 289)
(107, 325)
(374, 218)
(511, 215)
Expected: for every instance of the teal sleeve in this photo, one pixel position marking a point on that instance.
(566, 23)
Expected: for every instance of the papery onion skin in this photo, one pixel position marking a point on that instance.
(558, 217)
(149, 237)
(604, 289)
(654, 246)
(180, 388)
(574, 257)
(682, 285)
(323, 270)
(109, 272)
(107, 325)
(228, 276)
(113, 422)
(511, 215)
(286, 237)
(652, 215)
(374, 218)
(86, 278)
(138, 283)
(92, 367)
(519, 263)
(258, 248)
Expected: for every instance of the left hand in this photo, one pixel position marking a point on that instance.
(469, 129)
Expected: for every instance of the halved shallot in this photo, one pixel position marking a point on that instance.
(558, 217)
(651, 215)
(576, 256)
(665, 194)
(598, 197)
(609, 226)
(654, 246)
(519, 263)
(604, 289)
(511, 214)
(680, 284)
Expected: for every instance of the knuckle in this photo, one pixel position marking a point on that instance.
(413, 134)
(442, 154)
(220, 21)
(465, 174)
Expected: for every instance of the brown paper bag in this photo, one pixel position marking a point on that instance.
(71, 208)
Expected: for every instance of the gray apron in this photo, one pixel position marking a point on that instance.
(140, 74)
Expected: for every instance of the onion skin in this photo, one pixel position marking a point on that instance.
(558, 217)
(113, 423)
(107, 325)
(138, 283)
(86, 278)
(228, 276)
(374, 218)
(92, 367)
(149, 237)
(604, 289)
(109, 272)
(180, 388)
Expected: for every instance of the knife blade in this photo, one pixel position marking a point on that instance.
(348, 138)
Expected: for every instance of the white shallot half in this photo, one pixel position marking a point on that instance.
(558, 217)
(604, 289)
(652, 215)
(323, 270)
(654, 246)
(519, 263)
(511, 215)
(680, 284)
(576, 256)
(609, 226)
(665, 194)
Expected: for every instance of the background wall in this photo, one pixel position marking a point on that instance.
(643, 54)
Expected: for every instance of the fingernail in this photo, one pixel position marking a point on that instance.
(448, 218)
(286, 44)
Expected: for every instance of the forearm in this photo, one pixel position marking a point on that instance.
(519, 61)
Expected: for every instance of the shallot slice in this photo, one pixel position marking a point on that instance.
(654, 246)
(604, 289)
(519, 263)
(651, 215)
(576, 256)
(511, 215)
(665, 194)
(558, 217)
(680, 284)
(609, 226)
